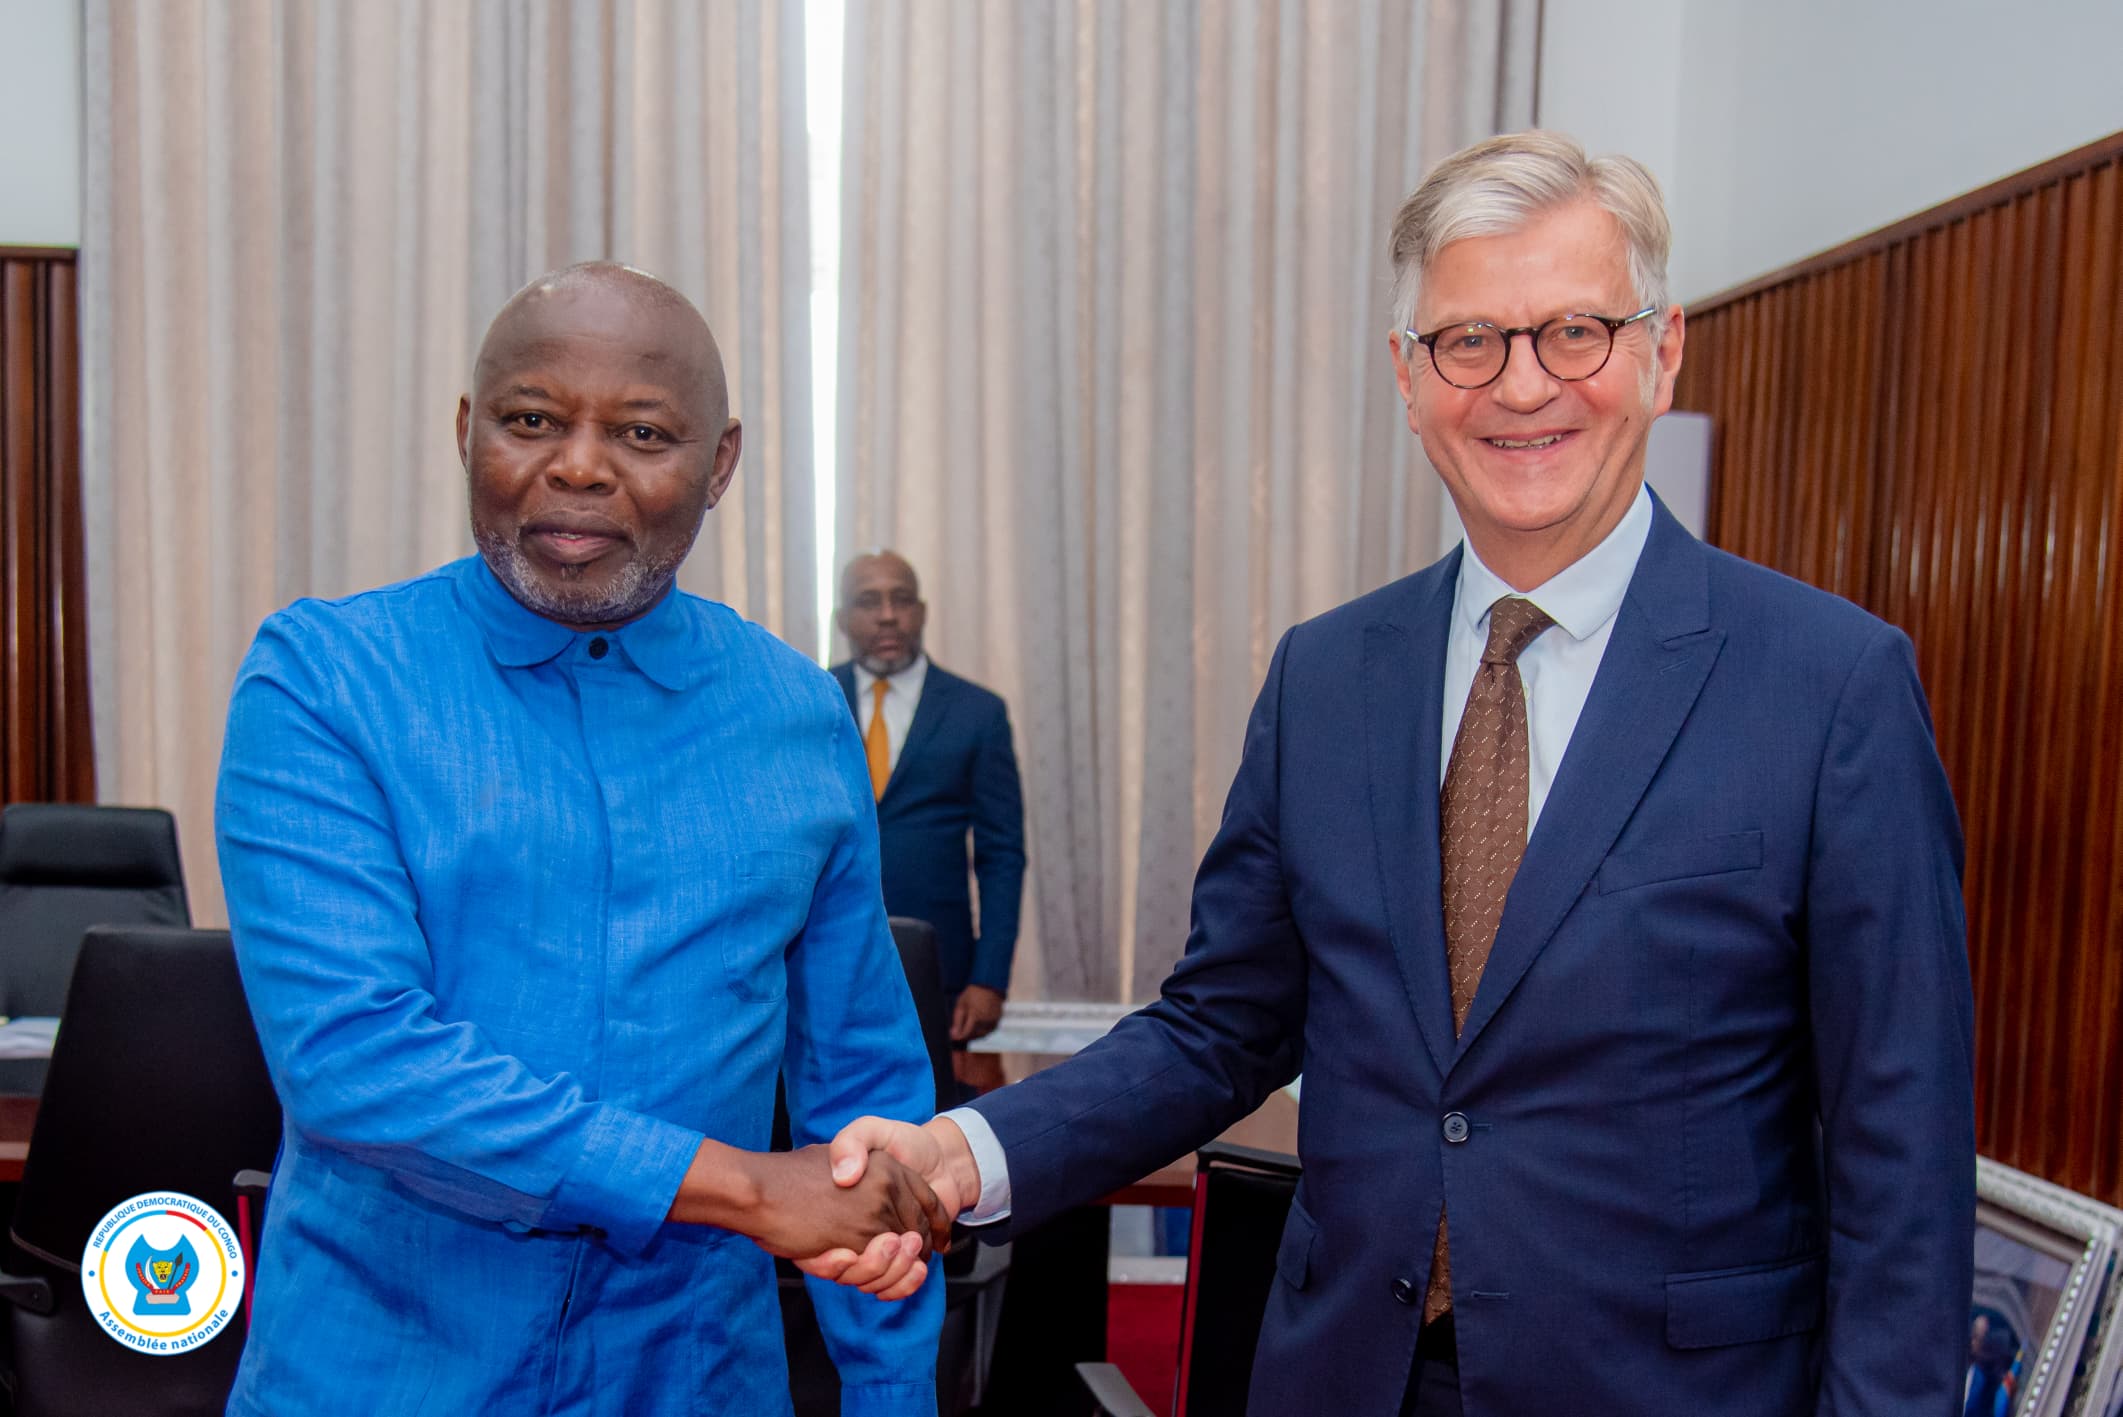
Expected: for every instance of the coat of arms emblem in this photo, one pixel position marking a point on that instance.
(161, 1277)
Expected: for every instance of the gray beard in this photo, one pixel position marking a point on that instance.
(886, 668)
(629, 594)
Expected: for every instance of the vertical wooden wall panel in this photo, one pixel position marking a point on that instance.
(48, 755)
(1930, 421)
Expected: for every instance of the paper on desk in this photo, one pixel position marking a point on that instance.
(27, 1037)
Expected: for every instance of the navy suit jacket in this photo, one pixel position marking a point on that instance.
(1707, 1137)
(956, 772)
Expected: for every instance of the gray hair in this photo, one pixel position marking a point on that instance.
(1500, 184)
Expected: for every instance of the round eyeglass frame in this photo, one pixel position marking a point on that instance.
(1614, 328)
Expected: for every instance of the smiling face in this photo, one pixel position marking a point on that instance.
(1540, 469)
(595, 438)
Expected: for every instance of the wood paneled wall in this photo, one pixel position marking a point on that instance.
(1930, 422)
(48, 755)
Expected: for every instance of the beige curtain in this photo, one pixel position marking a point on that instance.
(300, 217)
(1113, 374)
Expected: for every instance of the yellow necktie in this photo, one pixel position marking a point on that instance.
(877, 743)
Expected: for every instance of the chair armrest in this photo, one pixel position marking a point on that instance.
(27, 1291)
(1250, 1158)
(1111, 1391)
(976, 1266)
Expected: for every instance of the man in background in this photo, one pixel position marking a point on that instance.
(540, 872)
(941, 768)
(1606, 889)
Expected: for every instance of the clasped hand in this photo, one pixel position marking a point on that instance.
(935, 1153)
(875, 1232)
(866, 1212)
(872, 1226)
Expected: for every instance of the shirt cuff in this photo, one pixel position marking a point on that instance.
(994, 1202)
(625, 1179)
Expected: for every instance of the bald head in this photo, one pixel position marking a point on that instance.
(881, 611)
(638, 316)
(879, 564)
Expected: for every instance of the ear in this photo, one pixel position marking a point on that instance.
(464, 431)
(1669, 359)
(1404, 377)
(725, 467)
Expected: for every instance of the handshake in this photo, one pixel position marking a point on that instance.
(866, 1211)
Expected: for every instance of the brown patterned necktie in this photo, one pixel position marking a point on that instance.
(1482, 831)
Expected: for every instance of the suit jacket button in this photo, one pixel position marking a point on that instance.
(1405, 1291)
(1456, 1127)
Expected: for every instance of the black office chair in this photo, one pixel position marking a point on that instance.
(65, 867)
(157, 1084)
(974, 1273)
(923, 964)
(1241, 1199)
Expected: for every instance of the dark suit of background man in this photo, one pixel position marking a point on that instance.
(941, 765)
(1605, 888)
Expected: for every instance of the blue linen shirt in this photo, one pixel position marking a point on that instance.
(523, 914)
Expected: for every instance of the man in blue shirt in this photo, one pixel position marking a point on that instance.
(541, 872)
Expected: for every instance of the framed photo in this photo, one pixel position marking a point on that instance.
(2097, 1390)
(2042, 1327)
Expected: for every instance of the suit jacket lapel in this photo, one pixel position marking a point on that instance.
(930, 709)
(1656, 662)
(1404, 661)
(845, 673)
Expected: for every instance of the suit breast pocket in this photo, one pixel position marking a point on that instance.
(769, 906)
(1680, 859)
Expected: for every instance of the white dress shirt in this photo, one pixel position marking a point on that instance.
(902, 697)
(1557, 669)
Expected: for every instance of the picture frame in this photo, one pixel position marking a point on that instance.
(2043, 1317)
(2097, 1390)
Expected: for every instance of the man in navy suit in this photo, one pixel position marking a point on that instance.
(941, 766)
(1606, 890)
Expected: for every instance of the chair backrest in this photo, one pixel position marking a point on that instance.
(65, 867)
(156, 1083)
(918, 956)
(1241, 1199)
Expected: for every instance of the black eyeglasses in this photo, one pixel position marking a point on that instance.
(1570, 347)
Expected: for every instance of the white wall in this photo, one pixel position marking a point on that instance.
(1781, 129)
(40, 123)
(1611, 78)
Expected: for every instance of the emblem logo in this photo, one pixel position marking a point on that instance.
(162, 1273)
